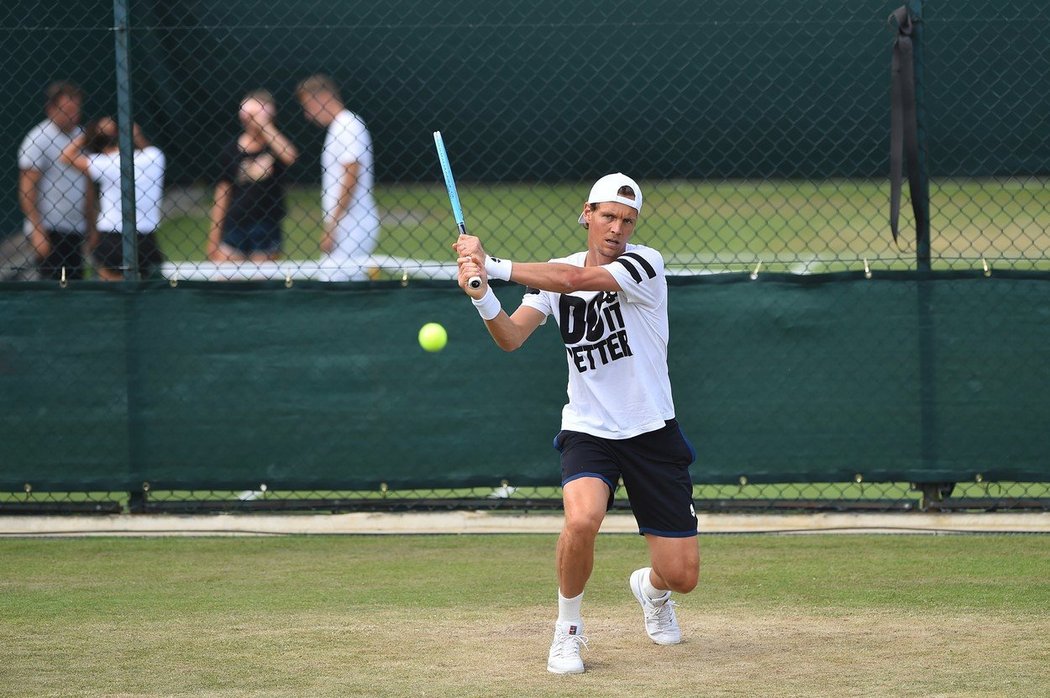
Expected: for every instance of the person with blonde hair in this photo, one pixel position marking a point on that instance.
(249, 202)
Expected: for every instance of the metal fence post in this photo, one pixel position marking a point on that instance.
(932, 492)
(128, 229)
(125, 128)
(922, 222)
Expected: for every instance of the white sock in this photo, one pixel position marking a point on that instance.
(654, 594)
(569, 609)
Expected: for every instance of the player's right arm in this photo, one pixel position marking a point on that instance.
(508, 331)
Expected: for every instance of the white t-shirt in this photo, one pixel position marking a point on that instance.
(62, 189)
(346, 142)
(616, 347)
(104, 168)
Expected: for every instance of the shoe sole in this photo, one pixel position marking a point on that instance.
(565, 673)
(636, 589)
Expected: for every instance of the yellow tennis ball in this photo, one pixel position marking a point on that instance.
(432, 337)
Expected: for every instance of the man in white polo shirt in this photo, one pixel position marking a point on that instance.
(58, 201)
(351, 219)
(610, 303)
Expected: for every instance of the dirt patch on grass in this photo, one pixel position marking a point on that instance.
(500, 652)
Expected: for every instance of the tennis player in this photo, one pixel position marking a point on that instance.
(610, 303)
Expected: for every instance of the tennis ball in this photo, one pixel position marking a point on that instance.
(432, 337)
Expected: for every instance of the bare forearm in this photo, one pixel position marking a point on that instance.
(555, 277)
(562, 278)
(507, 335)
(218, 208)
(91, 208)
(218, 216)
(27, 198)
(73, 154)
(548, 276)
(281, 147)
(346, 191)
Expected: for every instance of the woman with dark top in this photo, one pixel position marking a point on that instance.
(249, 196)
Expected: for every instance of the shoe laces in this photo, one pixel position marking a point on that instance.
(566, 645)
(663, 614)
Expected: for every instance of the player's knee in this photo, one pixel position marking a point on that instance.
(681, 579)
(687, 582)
(582, 524)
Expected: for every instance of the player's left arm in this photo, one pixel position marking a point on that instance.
(638, 273)
(563, 278)
(545, 276)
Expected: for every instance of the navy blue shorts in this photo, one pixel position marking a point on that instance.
(263, 236)
(110, 253)
(655, 470)
(66, 253)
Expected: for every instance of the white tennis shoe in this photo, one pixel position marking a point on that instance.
(660, 621)
(564, 657)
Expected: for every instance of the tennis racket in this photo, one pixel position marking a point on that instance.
(453, 195)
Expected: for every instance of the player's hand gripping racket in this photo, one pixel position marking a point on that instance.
(453, 196)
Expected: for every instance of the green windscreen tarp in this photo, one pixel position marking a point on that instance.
(780, 379)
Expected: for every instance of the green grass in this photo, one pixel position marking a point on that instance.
(726, 225)
(471, 616)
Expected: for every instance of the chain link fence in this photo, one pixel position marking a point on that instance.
(771, 498)
(293, 141)
(760, 132)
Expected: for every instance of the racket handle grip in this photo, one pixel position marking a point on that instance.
(474, 282)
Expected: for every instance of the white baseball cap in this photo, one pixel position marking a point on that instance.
(606, 188)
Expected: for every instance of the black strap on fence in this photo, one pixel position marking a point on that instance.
(904, 129)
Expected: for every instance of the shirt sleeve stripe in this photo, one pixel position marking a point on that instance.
(641, 260)
(630, 267)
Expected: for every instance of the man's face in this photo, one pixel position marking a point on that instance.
(65, 112)
(318, 108)
(609, 227)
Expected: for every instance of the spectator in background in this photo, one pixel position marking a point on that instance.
(58, 202)
(249, 197)
(96, 153)
(351, 219)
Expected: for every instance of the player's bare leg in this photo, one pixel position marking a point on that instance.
(676, 567)
(585, 501)
(676, 562)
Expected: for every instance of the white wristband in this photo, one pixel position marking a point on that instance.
(488, 305)
(498, 268)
